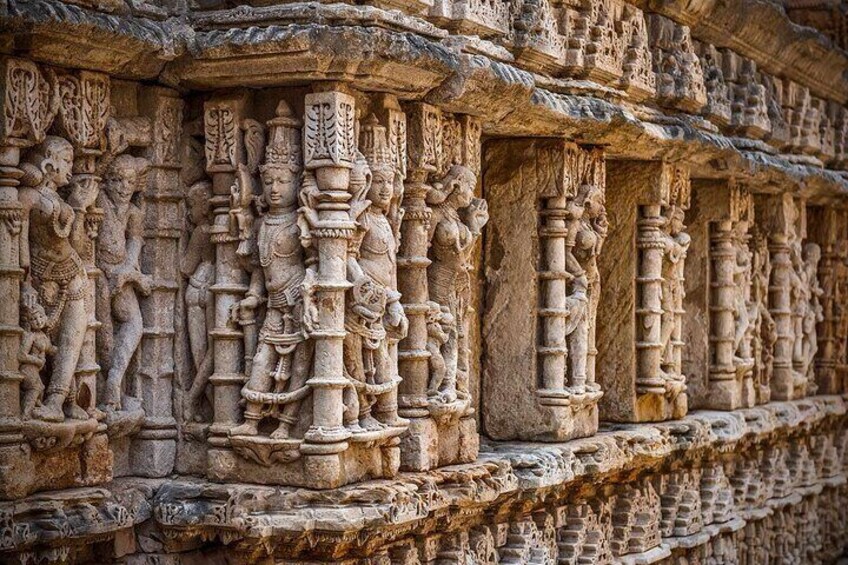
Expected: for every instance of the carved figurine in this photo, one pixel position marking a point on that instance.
(35, 347)
(676, 246)
(53, 294)
(374, 314)
(439, 323)
(457, 222)
(281, 365)
(197, 265)
(591, 232)
(814, 313)
(765, 329)
(119, 251)
(744, 304)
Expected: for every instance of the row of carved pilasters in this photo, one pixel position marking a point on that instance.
(548, 218)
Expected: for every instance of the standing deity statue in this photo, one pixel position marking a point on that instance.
(35, 347)
(119, 252)
(374, 319)
(277, 263)
(456, 225)
(743, 298)
(197, 265)
(814, 312)
(764, 328)
(588, 230)
(676, 242)
(54, 286)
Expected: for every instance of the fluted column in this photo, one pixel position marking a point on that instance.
(722, 304)
(329, 153)
(780, 307)
(224, 151)
(553, 354)
(649, 310)
(412, 265)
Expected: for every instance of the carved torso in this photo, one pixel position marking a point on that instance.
(51, 220)
(280, 253)
(378, 250)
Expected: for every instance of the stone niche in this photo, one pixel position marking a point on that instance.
(548, 226)
(726, 297)
(640, 317)
(90, 171)
(339, 295)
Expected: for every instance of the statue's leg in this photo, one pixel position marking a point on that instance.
(385, 405)
(197, 328)
(354, 369)
(260, 380)
(126, 311)
(33, 389)
(69, 341)
(301, 362)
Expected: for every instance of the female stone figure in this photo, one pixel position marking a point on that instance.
(456, 224)
(743, 299)
(676, 246)
(283, 356)
(119, 252)
(375, 317)
(591, 227)
(197, 265)
(53, 294)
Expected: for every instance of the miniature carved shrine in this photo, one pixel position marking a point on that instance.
(403, 282)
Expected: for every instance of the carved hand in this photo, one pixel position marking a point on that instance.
(245, 310)
(478, 215)
(83, 194)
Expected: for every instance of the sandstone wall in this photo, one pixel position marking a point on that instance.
(423, 281)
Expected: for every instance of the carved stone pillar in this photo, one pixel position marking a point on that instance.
(154, 448)
(84, 108)
(24, 122)
(642, 270)
(828, 227)
(779, 214)
(224, 151)
(538, 381)
(443, 156)
(329, 151)
(718, 327)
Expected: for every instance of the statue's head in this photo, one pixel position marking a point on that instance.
(126, 176)
(382, 186)
(456, 189)
(280, 186)
(812, 253)
(49, 163)
(198, 201)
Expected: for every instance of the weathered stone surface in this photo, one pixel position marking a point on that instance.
(415, 281)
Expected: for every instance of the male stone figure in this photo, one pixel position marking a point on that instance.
(284, 354)
(53, 294)
(119, 251)
(198, 266)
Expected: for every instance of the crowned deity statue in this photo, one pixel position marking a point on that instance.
(54, 284)
(374, 320)
(455, 226)
(277, 263)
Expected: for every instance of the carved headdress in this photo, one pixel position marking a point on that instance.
(374, 145)
(284, 150)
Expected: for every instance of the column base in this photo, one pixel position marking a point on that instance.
(261, 460)
(730, 394)
(654, 407)
(153, 457)
(192, 449)
(39, 465)
(429, 444)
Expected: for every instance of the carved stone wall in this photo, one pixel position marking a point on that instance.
(423, 281)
